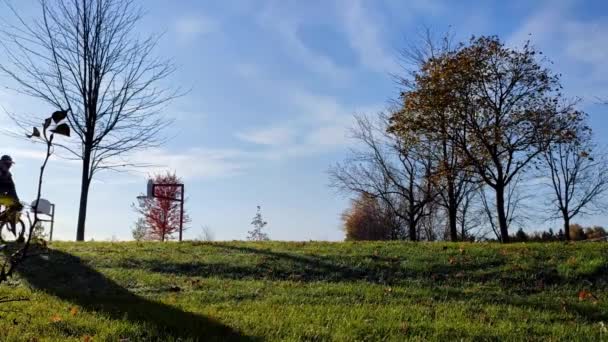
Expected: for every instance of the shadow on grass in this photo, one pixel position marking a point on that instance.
(276, 265)
(67, 277)
(384, 270)
(267, 264)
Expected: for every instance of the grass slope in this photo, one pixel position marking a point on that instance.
(310, 291)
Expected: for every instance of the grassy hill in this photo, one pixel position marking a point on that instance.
(310, 291)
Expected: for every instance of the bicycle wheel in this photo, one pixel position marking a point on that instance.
(6, 235)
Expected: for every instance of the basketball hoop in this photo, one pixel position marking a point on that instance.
(151, 194)
(149, 191)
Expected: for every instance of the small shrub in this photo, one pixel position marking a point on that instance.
(140, 230)
(577, 232)
(207, 234)
(366, 220)
(258, 223)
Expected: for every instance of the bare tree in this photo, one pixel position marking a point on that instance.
(578, 176)
(85, 56)
(517, 201)
(432, 225)
(387, 169)
(207, 234)
(470, 214)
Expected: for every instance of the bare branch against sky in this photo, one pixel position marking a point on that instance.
(87, 58)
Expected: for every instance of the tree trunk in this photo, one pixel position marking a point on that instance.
(463, 232)
(502, 217)
(84, 194)
(412, 227)
(452, 215)
(453, 225)
(567, 227)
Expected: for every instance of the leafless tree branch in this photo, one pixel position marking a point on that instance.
(86, 57)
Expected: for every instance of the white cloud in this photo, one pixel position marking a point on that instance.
(319, 107)
(586, 43)
(539, 27)
(189, 27)
(316, 123)
(365, 36)
(26, 153)
(320, 125)
(578, 48)
(193, 163)
(277, 135)
(330, 135)
(285, 23)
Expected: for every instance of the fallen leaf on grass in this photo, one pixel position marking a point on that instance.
(571, 261)
(56, 318)
(87, 338)
(584, 295)
(452, 260)
(404, 328)
(73, 311)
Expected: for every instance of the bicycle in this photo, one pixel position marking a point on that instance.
(12, 227)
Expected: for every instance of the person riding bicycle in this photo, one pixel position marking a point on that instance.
(8, 193)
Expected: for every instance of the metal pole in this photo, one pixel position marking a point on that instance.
(181, 213)
(52, 222)
(181, 202)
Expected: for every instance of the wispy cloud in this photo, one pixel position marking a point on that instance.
(586, 43)
(277, 135)
(539, 26)
(194, 163)
(577, 47)
(365, 36)
(285, 23)
(193, 26)
(316, 123)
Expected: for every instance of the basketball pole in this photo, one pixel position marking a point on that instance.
(181, 213)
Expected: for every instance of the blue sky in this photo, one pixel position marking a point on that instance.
(274, 85)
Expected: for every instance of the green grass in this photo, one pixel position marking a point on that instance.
(310, 291)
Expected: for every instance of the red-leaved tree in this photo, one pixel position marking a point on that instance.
(161, 214)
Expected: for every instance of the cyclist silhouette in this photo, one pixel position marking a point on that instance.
(8, 194)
